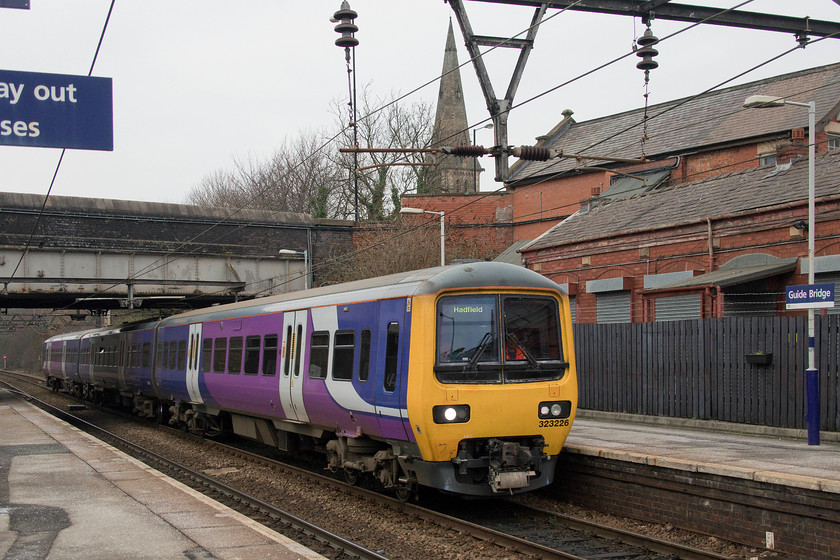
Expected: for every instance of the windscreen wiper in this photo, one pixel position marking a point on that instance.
(482, 346)
(533, 363)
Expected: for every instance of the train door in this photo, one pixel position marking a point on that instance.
(292, 368)
(122, 360)
(64, 360)
(193, 365)
(390, 387)
(155, 364)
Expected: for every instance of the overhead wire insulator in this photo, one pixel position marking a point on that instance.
(646, 51)
(466, 151)
(345, 16)
(532, 153)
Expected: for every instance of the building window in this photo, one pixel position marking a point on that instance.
(833, 142)
(767, 159)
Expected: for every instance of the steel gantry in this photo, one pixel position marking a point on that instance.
(801, 28)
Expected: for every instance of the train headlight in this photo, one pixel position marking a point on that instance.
(451, 414)
(555, 409)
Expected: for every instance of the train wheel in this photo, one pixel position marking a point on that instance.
(351, 476)
(405, 493)
(161, 413)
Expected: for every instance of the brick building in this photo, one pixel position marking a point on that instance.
(705, 229)
(723, 246)
(627, 225)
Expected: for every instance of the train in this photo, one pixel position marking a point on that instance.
(459, 378)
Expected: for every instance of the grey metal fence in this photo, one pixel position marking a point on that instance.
(736, 369)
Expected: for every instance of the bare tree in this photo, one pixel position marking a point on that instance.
(298, 177)
(382, 178)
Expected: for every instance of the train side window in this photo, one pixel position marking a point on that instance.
(344, 349)
(252, 355)
(269, 361)
(364, 355)
(206, 355)
(173, 355)
(235, 355)
(182, 354)
(319, 354)
(392, 347)
(219, 355)
(288, 350)
(147, 354)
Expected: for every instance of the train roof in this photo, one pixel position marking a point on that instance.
(404, 284)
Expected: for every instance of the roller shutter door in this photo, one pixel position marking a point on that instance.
(613, 307)
(827, 279)
(677, 308)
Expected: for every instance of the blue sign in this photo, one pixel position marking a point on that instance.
(19, 4)
(809, 296)
(56, 111)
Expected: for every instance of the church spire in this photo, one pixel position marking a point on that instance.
(450, 174)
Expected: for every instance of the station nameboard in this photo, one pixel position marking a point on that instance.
(809, 296)
(56, 111)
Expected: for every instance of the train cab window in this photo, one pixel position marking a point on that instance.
(269, 361)
(219, 354)
(207, 355)
(319, 354)
(467, 340)
(344, 347)
(147, 353)
(235, 355)
(252, 355)
(533, 349)
(364, 355)
(392, 348)
(182, 355)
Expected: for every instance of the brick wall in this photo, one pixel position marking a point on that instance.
(804, 522)
(476, 226)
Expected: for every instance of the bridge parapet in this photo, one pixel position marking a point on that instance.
(100, 254)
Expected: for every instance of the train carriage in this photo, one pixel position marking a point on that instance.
(460, 378)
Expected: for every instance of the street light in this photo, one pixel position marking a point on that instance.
(475, 159)
(289, 253)
(405, 210)
(812, 387)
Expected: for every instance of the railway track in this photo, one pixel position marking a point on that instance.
(505, 528)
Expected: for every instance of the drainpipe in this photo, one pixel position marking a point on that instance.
(711, 245)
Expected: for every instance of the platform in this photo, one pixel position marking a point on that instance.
(758, 453)
(66, 495)
(754, 485)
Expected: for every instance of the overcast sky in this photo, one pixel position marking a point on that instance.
(199, 83)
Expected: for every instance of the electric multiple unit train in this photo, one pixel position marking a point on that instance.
(460, 378)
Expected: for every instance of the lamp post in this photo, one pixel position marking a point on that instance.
(405, 210)
(812, 384)
(305, 253)
(475, 159)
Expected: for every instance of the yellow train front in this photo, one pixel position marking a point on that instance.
(491, 387)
